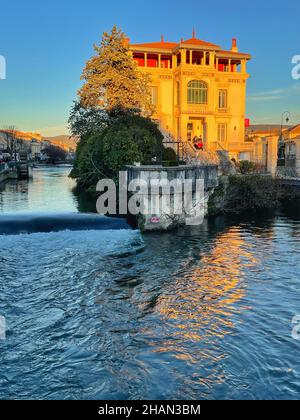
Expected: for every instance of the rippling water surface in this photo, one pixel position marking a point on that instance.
(49, 190)
(198, 313)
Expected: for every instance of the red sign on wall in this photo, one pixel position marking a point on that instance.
(247, 122)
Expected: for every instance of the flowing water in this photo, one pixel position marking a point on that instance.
(111, 314)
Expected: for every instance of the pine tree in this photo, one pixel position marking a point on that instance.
(112, 79)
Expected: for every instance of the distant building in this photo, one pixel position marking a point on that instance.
(291, 132)
(198, 89)
(35, 143)
(3, 144)
(36, 149)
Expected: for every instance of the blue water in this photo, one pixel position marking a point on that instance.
(200, 313)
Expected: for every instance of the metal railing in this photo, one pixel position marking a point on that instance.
(177, 146)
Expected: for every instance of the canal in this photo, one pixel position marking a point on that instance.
(200, 313)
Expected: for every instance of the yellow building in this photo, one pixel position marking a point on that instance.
(198, 89)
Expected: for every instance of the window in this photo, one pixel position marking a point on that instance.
(222, 133)
(197, 92)
(222, 98)
(189, 131)
(154, 95)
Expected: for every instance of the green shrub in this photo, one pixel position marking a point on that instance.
(170, 163)
(252, 192)
(246, 167)
(169, 155)
(129, 139)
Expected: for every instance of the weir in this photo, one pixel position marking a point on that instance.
(14, 224)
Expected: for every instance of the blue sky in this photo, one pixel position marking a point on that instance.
(46, 44)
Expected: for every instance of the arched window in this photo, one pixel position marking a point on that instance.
(197, 92)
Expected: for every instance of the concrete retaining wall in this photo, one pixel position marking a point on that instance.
(164, 217)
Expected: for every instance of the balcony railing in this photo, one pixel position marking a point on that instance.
(197, 109)
(223, 110)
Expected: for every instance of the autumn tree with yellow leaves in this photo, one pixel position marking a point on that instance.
(112, 79)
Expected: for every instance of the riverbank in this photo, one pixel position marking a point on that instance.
(4, 175)
(238, 194)
(7, 173)
(235, 195)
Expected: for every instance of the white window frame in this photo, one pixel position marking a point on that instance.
(223, 98)
(197, 92)
(222, 133)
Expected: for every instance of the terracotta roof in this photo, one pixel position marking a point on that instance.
(159, 45)
(192, 41)
(233, 53)
(195, 41)
(171, 45)
(295, 127)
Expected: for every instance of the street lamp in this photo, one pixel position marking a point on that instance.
(286, 116)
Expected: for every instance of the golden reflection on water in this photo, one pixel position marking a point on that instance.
(201, 303)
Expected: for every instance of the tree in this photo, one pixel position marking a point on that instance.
(112, 80)
(87, 120)
(55, 153)
(129, 139)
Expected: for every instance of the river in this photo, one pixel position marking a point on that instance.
(199, 313)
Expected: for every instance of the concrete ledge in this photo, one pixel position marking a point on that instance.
(209, 173)
(165, 218)
(177, 168)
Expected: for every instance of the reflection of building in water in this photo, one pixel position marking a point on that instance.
(201, 304)
(11, 188)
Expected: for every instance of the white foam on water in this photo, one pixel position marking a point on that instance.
(104, 240)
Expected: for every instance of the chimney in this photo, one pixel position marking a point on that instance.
(234, 47)
(162, 39)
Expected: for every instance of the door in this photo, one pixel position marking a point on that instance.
(189, 131)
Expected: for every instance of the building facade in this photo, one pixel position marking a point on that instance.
(3, 144)
(198, 89)
(36, 148)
